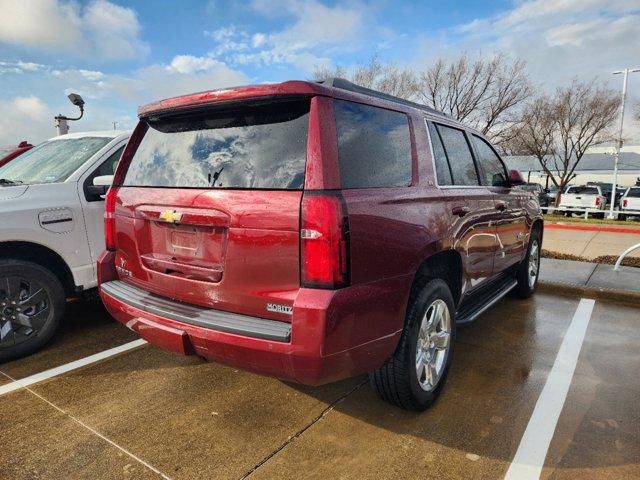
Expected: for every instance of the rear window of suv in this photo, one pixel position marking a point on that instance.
(374, 146)
(634, 192)
(246, 146)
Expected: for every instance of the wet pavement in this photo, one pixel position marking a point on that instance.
(148, 413)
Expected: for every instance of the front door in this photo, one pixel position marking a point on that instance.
(93, 206)
(510, 215)
(471, 205)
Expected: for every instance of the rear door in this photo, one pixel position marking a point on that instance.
(92, 205)
(470, 203)
(511, 216)
(208, 212)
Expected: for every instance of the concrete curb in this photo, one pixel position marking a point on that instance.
(598, 293)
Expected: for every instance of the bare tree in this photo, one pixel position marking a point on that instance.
(386, 78)
(558, 129)
(484, 93)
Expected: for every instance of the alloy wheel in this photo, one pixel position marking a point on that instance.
(432, 348)
(24, 309)
(534, 263)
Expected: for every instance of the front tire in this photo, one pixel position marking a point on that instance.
(32, 302)
(414, 377)
(529, 270)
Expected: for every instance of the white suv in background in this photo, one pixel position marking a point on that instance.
(51, 232)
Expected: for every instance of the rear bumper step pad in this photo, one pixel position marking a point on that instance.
(198, 316)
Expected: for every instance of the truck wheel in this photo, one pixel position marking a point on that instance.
(32, 303)
(415, 375)
(622, 217)
(529, 270)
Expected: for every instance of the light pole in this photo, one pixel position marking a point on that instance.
(62, 127)
(614, 187)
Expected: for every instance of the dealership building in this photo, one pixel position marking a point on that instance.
(595, 166)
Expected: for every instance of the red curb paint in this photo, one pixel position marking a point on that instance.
(592, 228)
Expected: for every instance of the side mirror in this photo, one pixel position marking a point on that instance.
(100, 186)
(515, 178)
(103, 180)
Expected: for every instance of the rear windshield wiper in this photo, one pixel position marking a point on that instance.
(6, 181)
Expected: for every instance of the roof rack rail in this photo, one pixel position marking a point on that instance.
(343, 84)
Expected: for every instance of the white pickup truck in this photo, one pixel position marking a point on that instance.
(51, 232)
(630, 203)
(577, 199)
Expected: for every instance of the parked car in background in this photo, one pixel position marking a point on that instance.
(51, 212)
(9, 152)
(314, 231)
(539, 191)
(578, 198)
(551, 195)
(606, 189)
(630, 203)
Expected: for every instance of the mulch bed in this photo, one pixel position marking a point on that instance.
(604, 259)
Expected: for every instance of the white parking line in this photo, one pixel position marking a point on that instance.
(529, 459)
(38, 377)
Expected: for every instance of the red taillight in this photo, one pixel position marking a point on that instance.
(324, 236)
(110, 219)
(597, 201)
(625, 203)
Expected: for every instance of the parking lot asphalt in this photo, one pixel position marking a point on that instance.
(146, 413)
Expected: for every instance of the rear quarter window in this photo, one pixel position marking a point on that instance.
(634, 192)
(374, 146)
(238, 147)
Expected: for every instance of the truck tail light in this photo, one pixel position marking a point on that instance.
(324, 241)
(598, 200)
(625, 203)
(110, 219)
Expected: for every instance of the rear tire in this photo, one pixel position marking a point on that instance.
(32, 302)
(414, 377)
(529, 270)
(622, 217)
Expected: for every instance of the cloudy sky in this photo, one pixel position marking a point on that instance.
(120, 54)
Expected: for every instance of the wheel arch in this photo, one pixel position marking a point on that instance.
(445, 265)
(36, 253)
(538, 226)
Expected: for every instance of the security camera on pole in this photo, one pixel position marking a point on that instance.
(614, 188)
(62, 127)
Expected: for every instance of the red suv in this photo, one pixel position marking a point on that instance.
(9, 152)
(314, 231)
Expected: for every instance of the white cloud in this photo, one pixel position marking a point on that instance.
(113, 31)
(31, 106)
(24, 118)
(100, 30)
(191, 64)
(109, 97)
(258, 40)
(312, 29)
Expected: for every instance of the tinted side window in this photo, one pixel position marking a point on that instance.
(460, 158)
(491, 168)
(374, 146)
(443, 171)
(108, 167)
